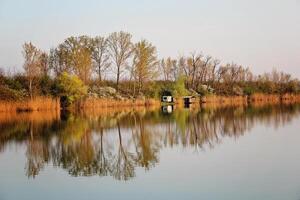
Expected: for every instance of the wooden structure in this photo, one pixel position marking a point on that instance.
(189, 99)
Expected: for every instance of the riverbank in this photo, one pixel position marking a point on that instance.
(51, 104)
(94, 103)
(252, 99)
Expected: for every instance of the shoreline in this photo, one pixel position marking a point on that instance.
(251, 99)
(53, 104)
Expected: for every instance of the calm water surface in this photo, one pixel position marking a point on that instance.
(209, 153)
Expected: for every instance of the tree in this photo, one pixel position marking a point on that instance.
(144, 63)
(44, 64)
(83, 63)
(32, 64)
(74, 55)
(120, 50)
(2, 76)
(57, 63)
(194, 63)
(100, 55)
(212, 77)
(168, 67)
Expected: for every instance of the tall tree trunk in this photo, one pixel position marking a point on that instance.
(118, 78)
(99, 74)
(99, 71)
(30, 88)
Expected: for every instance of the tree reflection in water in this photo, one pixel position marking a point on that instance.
(116, 143)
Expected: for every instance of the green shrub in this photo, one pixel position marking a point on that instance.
(292, 87)
(179, 87)
(46, 85)
(204, 90)
(249, 90)
(10, 94)
(153, 90)
(17, 82)
(70, 88)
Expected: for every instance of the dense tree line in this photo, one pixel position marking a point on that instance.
(134, 68)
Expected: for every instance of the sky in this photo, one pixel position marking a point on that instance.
(260, 34)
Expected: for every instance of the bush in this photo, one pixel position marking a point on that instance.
(205, 90)
(9, 94)
(70, 88)
(179, 87)
(17, 82)
(154, 89)
(46, 85)
(249, 90)
(267, 87)
(292, 87)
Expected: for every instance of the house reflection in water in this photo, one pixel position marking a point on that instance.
(167, 109)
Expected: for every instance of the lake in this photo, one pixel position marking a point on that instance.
(248, 152)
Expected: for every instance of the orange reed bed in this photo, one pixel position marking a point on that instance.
(272, 98)
(265, 98)
(255, 99)
(35, 116)
(107, 103)
(224, 100)
(290, 98)
(36, 104)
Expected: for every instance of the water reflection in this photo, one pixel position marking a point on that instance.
(167, 109)
(116, 143)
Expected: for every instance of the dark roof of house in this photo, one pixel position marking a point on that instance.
(166, 93)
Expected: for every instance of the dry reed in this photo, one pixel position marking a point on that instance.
(36, 104)
(95, 103)
(35, 116)
(224, 100)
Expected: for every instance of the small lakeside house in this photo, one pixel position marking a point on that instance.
(167, 97)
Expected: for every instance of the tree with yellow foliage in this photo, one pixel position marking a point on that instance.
(145, 63)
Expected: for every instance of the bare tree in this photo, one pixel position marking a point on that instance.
(32, 64)
(195, 64)
(167, 66)
(100, 55)
(120, 49)
(44, 64)
(57, 61)
(182, 63)
(214, 66)
(74, 55)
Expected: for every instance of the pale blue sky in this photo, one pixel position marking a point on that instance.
(261, 34)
